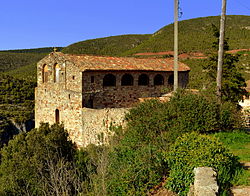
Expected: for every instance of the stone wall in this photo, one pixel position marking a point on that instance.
(97, 125)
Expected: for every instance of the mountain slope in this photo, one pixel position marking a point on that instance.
(108, 46)
(197, 35)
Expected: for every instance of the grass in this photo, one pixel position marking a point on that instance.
(239, 144)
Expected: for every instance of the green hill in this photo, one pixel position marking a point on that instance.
(195, 35)
(108, 46)
(33, 50)
(10, 61)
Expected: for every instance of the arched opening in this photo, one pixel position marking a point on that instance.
(127, 80)
(143, 80)
(171, 80)
(45, 74)
(158, 80)
(109, 80)
(56, 73)
(57, 117)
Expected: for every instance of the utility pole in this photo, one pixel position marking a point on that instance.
(176, 7)
(221, 50)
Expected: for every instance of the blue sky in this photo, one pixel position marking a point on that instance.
(44, 23)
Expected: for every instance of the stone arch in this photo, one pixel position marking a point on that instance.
(171, 80)
(127, 80)
(158, 80)
(45, 73)
(109, 80)
(143, 80)
(57, 116)
(57, 73)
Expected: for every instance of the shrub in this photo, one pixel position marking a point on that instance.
(136, 164)
(38, 162)
(230, 116)
(194, 150)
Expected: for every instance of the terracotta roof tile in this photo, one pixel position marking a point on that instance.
(87, 62)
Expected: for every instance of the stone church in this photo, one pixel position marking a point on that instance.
(89, 93)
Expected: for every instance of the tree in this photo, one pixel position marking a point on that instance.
(233, 83)
(39, 162)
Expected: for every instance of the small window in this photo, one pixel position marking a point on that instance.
(109, 80)
(69, 96)
(57, 117)
(171, 80)
(92, 79)
(56, 73)
(158, 80)
(143, 80)
(127, 80)
(45, 74)
(73, 77)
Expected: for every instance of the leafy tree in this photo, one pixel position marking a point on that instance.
(39, 162)
(233, 83)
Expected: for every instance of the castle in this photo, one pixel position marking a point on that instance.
(89, 93)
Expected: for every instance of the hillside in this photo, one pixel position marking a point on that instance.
(108, 46)
(195, 35)
(33, 50)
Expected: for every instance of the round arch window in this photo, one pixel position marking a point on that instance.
(45, 73)
(109, 80)
(127, 80)
(158, 80)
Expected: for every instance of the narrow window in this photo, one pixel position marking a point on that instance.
(127, 80)
(109, 80)
(158, 80)
(171, 80)
(143, 80)
(92, 78)
(57, 116)
(56, 73)
(45, 74)
(73, 77)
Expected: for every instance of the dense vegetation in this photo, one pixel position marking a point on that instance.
(137, 164)
(11, 61)
(39, 162)
(108, 46)
(16, 104)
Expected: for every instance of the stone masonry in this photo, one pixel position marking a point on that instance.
(88, 93)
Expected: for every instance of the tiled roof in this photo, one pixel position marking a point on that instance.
(87, 62)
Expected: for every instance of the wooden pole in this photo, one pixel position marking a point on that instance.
(176, 6)
(221, 50)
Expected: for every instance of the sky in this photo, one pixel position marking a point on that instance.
(28, 24)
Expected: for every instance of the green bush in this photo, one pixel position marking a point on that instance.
(230, 116)
(193, 150)
(38, 162)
